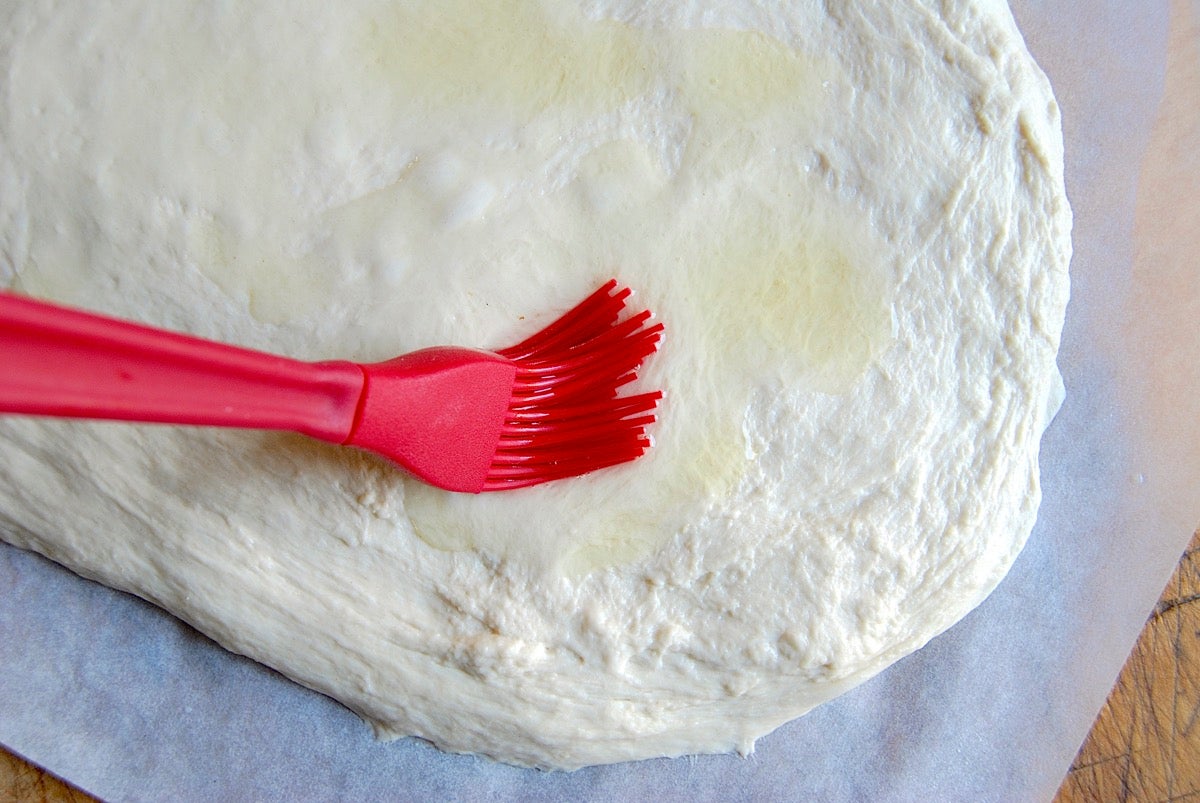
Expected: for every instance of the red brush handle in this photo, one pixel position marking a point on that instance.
(67, 363)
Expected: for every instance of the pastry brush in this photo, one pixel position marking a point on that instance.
(458, 418)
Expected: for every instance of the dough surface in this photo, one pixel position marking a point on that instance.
(850, 217)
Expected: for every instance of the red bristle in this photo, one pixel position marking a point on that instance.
(588, 318)
(563, 414)
(566, 417)
(575, 371)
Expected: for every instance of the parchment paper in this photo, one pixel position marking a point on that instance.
(127, 703)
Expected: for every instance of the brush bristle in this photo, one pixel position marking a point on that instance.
(566, 416)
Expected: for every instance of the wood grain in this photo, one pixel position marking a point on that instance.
(21, 782)
(1145, 745)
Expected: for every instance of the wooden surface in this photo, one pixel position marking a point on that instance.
(1144, 747)
(25, 783)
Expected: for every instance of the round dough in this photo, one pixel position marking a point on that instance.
(850, 218)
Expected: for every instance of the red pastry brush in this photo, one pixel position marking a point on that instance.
(460, 419)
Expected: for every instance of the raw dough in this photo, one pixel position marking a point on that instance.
(850, 217)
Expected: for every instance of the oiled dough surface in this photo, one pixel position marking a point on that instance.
(850, 217)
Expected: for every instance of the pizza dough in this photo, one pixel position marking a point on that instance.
(850, 217)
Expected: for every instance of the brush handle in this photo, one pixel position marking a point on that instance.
(67, 363)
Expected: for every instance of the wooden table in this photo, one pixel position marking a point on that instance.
(1144, 747)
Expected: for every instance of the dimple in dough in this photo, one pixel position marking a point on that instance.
(850, 219)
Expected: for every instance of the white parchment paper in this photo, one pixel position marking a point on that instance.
(129, 704)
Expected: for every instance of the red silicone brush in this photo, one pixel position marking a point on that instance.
(460, 419)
